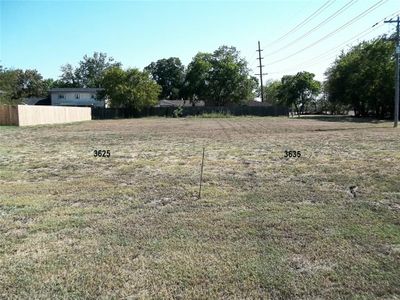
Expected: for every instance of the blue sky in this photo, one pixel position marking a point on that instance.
(47, 34)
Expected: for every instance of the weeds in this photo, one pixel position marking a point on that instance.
(216, 115)
(77, 226)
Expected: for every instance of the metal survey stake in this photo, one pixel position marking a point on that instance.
(201, 173)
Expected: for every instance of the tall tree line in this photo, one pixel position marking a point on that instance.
(219, 78)
(362, 80)
(17, 84)
(359, 80)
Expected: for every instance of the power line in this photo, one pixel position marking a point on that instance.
(325, 56)
(331, 17)
(317, 59)
(369, 10)
(327, 53)
(329, 57)
(252, 61)
(304, 22)
(357, 36)
(364, 13)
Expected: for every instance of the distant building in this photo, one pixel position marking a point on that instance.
(177, 103)
(76, 97)
(187, 103)
(258, 103)
(37, 101)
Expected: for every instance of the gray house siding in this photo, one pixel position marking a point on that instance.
(76, 97)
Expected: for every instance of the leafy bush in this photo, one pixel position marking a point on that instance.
(130, 88)
(219, 114)
(178, 112)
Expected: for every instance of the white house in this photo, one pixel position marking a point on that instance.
(76, 97)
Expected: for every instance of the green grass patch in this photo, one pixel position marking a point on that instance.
(131, 226)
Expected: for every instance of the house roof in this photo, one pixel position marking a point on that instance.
(258, 103)
(33, 100)
(75, 90)
(176, 103)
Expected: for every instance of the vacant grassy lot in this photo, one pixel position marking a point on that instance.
(76, 226)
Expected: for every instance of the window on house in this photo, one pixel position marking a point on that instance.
(61, 96)
(77, 96)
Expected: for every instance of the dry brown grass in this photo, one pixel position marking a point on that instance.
(76, 226)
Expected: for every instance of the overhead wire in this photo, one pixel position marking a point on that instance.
(317, 59)
(361, 15)
(325, 21)
(357, 37)
(252, 62)
(325, 56)
(304, 22)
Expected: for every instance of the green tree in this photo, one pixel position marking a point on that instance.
(363, 78)
(31, 84)
(67, 78)
(169, 74)
(130, 89)
(271, 91)
(9, 86)
(48, 84)
(298, 90)
(19, 84)
(197, 77)
(88, 73)
(220, 78)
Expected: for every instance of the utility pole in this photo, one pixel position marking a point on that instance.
(261, 72)
(396, 96)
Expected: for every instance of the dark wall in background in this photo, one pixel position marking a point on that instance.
(122, 113)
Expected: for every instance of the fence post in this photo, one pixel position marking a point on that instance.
(201, 173)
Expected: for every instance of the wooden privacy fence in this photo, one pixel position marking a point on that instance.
(120, 113)
(8, 115)
(27, 115)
